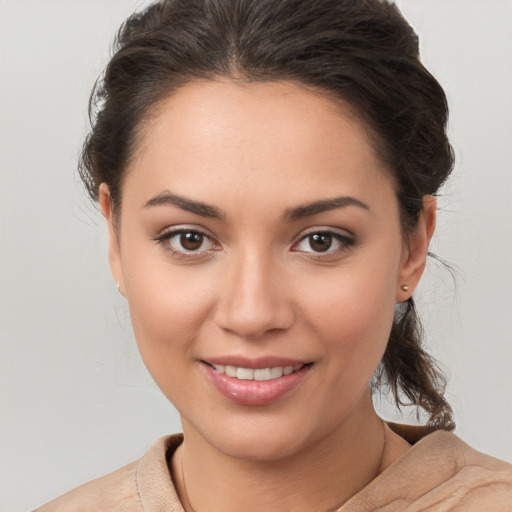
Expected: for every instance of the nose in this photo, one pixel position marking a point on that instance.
(253, 299)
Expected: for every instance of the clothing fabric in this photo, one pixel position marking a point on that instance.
(439, 473)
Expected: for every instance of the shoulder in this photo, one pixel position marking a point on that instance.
(142, 485)
(467, 479)
(439, 472)
(115, 491)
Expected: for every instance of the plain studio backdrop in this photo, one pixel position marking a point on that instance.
(76, 401)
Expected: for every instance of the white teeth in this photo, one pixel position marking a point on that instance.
(230, 371)
(260, 374)
(277, 372)
(245, 373)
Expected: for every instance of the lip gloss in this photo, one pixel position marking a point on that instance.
(253, 392)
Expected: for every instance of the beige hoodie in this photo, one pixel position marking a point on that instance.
(438, 473)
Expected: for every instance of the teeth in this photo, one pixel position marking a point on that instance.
(245, 373)
(230, 371)
(260, 374)
(275, 373)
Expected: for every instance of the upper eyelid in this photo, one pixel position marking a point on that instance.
(168, 233)
(319, 229)
(165, 235)
(170, 230)
(344, 237)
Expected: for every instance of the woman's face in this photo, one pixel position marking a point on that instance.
(259, 235)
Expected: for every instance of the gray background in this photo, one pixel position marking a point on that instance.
(76, 401)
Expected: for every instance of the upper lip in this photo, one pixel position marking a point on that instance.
(254, 363)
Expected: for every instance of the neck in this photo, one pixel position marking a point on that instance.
(320, 477)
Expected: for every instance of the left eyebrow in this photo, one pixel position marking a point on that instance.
(323, 205)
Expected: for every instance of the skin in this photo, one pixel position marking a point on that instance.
(257, 288)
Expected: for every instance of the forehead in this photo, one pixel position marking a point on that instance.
(276, 138)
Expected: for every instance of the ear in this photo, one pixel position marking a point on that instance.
(114, 253)
(415, 253)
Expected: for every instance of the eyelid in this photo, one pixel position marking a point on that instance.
(181, 228)
(169, 232)
(343, 233)
(342, 236)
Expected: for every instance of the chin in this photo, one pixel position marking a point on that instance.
(255, 446)
(262, 438)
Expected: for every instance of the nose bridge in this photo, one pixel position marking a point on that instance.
(253, 301)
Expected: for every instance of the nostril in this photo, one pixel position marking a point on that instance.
(251, 302)
(253, 323)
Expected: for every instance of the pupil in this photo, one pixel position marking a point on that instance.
(320, 242)
(191, 241)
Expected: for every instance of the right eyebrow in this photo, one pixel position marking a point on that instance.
(188, 205)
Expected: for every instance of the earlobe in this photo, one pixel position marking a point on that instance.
(114, 253)
(416, 255)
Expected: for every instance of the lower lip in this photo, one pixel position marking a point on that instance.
(254, 392)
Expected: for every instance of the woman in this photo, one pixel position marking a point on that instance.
(268, 174)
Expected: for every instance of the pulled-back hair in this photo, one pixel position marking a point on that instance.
(358, 51)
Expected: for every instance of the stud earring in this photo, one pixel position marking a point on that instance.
(404, 288)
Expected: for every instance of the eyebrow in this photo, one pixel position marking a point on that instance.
(323, 205)
(189, 205)
(290, 214)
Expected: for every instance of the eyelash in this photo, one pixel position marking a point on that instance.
(164, 240)
(346, 242)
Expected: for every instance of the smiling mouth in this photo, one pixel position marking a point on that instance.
(258, 386)
(259, 374)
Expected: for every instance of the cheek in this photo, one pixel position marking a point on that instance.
(357, 326)
(353, 312)
(354, 332)
(167, 306)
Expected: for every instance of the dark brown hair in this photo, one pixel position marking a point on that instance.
(360, 51)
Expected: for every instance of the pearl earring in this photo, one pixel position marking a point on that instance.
(404, 288)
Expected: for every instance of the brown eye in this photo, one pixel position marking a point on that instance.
(320, 242)
(187, 241)
(191, 241)
(326, 242)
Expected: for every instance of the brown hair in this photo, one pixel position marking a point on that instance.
(360, 51)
